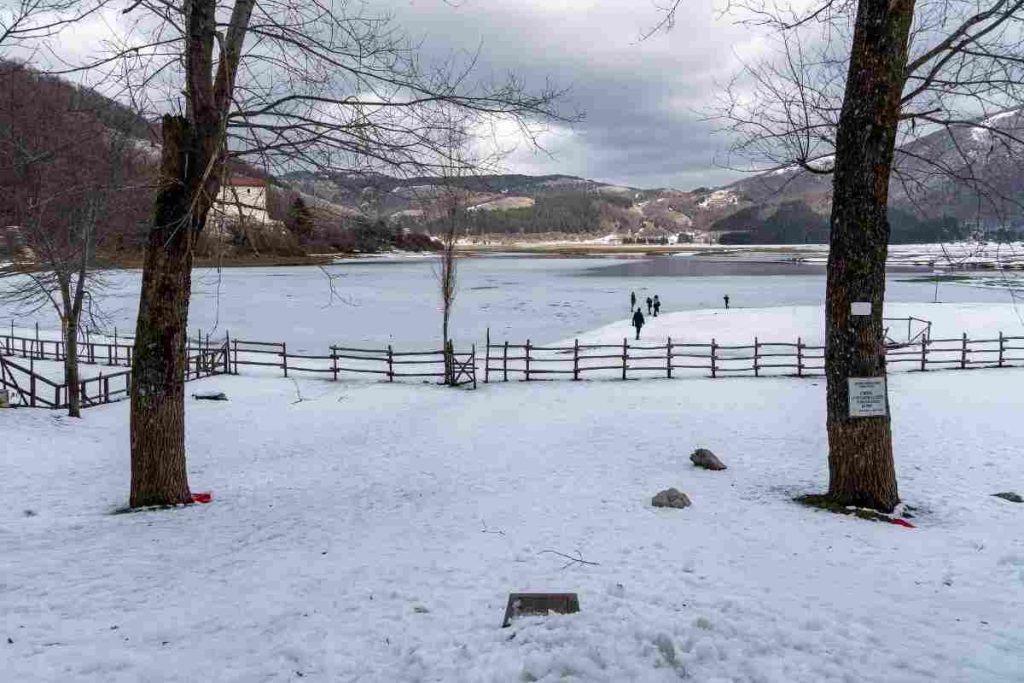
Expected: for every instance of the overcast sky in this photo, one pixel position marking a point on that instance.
(643, 101)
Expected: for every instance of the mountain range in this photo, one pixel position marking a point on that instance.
(786, 205)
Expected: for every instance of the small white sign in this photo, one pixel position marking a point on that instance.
(867, 397)
(860, 308)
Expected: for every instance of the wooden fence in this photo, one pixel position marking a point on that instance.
(501, 362)
(341, 360)
(30, 388)
(504, 361)
(208, 357)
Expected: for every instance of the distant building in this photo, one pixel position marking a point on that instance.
(13, 246)
(242, 199)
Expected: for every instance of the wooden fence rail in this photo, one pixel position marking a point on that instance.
(506, 361)
(32, 389)
(208, 357)
(502, 361)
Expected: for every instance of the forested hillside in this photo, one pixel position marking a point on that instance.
(346, 212)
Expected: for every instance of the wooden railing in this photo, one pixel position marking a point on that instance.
(504, 361)
(917, 330)
(342, 360)
(32, 389)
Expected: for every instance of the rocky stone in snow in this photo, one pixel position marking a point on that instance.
(1010, 496)
(670, 498)
(702, 457)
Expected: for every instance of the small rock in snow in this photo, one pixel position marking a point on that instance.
(1010, 496)
(702, 457)
(670, 498)
(211, 396)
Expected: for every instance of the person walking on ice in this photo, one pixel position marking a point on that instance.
(650, 302)
(657, 305)
(632, 300)
(726, 299)
(638, 321)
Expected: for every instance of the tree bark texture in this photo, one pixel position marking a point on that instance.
(159, 362)
(71, 366)
(861, 469)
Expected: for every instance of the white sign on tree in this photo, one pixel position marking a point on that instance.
(867, 397)
(860, 308)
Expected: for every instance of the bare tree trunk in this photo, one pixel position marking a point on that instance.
(71, 366)
(860, 449)
(448, 283)
(159, 364)
(449, 373)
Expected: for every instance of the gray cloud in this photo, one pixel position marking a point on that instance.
(642, 100)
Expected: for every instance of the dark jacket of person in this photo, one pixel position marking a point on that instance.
(638, 319)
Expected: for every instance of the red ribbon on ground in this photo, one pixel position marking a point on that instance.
(204, 497)
(901, 522)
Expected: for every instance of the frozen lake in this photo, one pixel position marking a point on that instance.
(395, 300)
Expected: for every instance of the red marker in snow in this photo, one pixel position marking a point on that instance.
(204, 497)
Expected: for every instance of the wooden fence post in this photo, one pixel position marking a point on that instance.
(924, 355)
(799, 356)
(234, 353)
(527, 360)
(391, 364)
(668, 357)
(284, 357)
(576, 360)
(963, 353)
(1002, 348)
(714, 359)
(487, 358)
(334, 362)
(505, 363)
(757, 370)
(472, 351)
(625, 355)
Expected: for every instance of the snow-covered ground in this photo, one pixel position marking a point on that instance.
(372, 532)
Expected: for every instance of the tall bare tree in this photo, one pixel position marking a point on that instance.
(290, 85)
(453, 164)
(860, 455)
(853, 87)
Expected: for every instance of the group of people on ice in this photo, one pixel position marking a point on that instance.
(653, 307)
